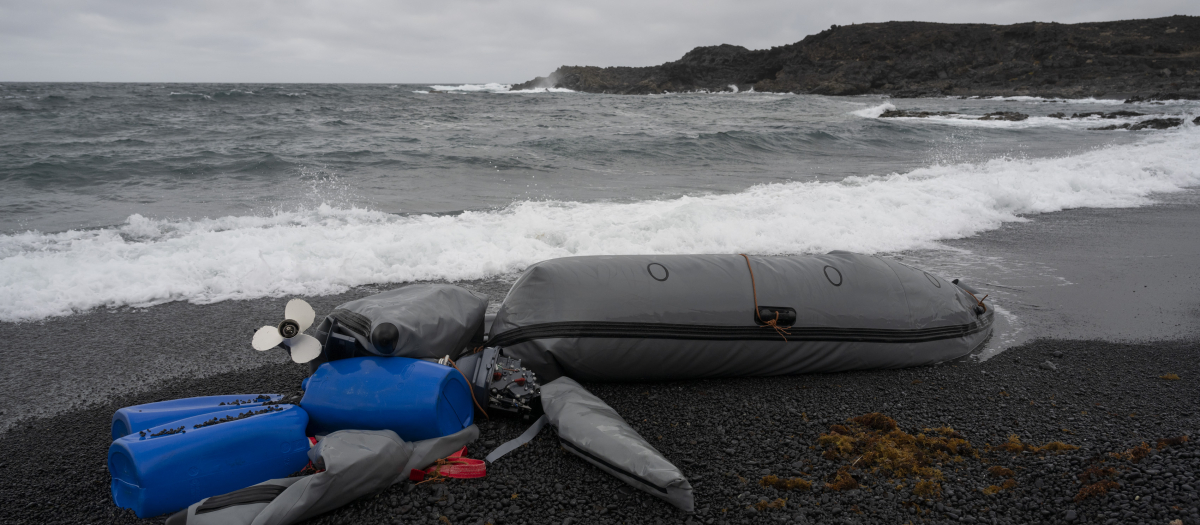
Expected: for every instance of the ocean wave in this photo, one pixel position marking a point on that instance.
(1053, 100)
(974, 121)
(491, 88)
(189, 96)
(325, 249)
(874, 111)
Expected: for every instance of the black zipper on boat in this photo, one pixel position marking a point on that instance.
(613, 330)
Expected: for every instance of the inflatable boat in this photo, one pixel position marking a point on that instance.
(414, 362)
(671, 317)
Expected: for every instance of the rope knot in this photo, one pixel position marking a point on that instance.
(774, 323)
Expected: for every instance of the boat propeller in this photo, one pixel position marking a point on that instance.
(298, 316)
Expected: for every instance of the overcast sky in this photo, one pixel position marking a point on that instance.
(445, 41)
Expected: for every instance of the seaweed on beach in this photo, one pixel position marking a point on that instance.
(785, 484)
(875, 443)
(1015, 446)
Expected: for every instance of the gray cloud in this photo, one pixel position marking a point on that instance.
(457, 41)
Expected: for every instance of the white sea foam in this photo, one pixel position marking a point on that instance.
(874, 111)
(493, 88)
(1088, 100)
(326, 250)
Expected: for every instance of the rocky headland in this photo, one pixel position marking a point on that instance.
(1139, 59)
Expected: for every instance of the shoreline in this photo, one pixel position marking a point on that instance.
(725, 430)
(728, 433)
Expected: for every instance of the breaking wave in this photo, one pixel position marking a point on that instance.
(492, 88)
(325, 249)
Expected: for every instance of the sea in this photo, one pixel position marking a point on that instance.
(135, 195)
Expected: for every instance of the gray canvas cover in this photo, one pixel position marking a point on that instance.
(418, 321)
(642, 318)
(592, 430)
(357, 463)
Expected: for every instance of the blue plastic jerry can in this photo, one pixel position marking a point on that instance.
(170, 466)
(416, 399)
(140, 417)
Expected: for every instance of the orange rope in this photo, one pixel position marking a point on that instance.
(470, 387)
(977, 300)
(772, 323)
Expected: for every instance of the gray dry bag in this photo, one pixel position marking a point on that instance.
(419, 321)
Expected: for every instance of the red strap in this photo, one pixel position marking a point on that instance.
(454, 466)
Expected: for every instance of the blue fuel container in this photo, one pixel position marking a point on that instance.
(140, 417)
(170, 466)
(415, 399)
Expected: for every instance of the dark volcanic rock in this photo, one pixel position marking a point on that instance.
(1163, 96)
(897, 113)
(1155, 59)
(1012, 116)
(1154, 123)
(1114, 114)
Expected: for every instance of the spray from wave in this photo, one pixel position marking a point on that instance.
(324, 249)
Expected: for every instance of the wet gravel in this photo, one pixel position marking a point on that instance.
(726, 435)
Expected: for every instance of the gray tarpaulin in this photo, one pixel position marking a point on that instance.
(643, 318)
(418, 321)
(592, 430)
(357, 463)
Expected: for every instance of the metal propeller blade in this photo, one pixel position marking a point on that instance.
(266, 338)
(298, 310)
(304, 348)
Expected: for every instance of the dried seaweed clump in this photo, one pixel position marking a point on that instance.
(1170, 377)
(779, 503)
(1099, 488)
(875, 442)
(1172, 442)
(842, 480)
(1134, 454)
(1097, 481)
(1008, 484)
(1015, 446)
(785, 484)
(927, 489)
(996, 471)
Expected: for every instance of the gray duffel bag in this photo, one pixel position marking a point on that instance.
(421, 321)
(357, 463)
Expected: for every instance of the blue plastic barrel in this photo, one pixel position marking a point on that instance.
(186, 462)
(415, 399)
(140, 417)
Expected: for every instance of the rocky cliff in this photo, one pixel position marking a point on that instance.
(1147, 58)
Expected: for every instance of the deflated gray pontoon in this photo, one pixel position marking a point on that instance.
(592, 430)
(418, 321)
(635, 318)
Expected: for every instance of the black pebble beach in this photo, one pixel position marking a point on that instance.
(1106, 398)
